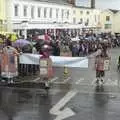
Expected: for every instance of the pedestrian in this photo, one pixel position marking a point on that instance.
(99, 66)
(118, 64)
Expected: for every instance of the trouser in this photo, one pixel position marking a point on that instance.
(100, 74)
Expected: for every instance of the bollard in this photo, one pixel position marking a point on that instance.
(66, 73)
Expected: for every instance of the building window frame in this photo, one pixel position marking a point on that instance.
(107, 18)
(81, 12)
(62, 13)
(57, 13)
(68, 14)
(32, 12)
(108, 26)
(87, 12)
(50, 12)
(25, 7)
(45, 12)
(39, 12)
(74, 12)
(74, 20)
(16, 10)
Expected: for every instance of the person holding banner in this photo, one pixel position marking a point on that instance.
(118, 64)
(9, 64)
(102, 63)
(46, 70)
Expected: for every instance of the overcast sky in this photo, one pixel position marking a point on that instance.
(113, 4)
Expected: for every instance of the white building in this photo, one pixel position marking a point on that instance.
(33, 14)
(53, 14)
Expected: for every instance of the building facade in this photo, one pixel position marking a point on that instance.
(2, 15)
(110, 20)
(26, 15)
(107, 20)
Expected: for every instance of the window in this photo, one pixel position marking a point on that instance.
(87, 20)
(25, 11)
(32, 12)
(81, 21)
(68, 13)
(107, 18)
(16, 10)
(74, 12)
(57, 11)
(98, 17)
(39, 12)
(45, 12)
(87, 12)
(95, 19)
(108, 26)
(74, 20)
(81, 12)
(50, 12)
(62, 14)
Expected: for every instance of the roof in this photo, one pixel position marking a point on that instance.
(63, 2)
(83, 7)
(114, 11)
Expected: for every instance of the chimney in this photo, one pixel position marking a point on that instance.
(93, 4)
(71, 2)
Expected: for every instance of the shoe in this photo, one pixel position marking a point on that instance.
(97, 82)
(102, 81)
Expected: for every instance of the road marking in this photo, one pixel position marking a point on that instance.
(63, 82)
(111, 82)
(93, 82)
(54, 79)
(37, 79)
(67, 112)
(79, 81)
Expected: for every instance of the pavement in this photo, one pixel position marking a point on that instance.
(74, 97)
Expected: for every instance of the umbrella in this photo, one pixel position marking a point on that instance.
(20, 43)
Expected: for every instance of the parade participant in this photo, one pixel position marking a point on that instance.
(48, 68)
(99, 64)
(119, 63)
(45, 51)
(9, 61)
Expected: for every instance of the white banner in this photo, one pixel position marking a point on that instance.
(61, 61)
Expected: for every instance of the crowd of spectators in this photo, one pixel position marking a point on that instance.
(73, 44)
(66, 45)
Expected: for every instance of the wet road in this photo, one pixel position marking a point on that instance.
(72, 98)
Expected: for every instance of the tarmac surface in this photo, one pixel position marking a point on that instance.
(71, 97)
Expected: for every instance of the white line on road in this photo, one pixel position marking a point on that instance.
(79, 81)
(111, 82)
(63, 82)
(93, 82)
(67, 112)
(53, 80)
(37, 79)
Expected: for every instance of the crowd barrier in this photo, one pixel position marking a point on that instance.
(29, 63)
(33, 59)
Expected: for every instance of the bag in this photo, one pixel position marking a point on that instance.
(106, 64)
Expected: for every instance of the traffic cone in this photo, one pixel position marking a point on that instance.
(66, 72)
